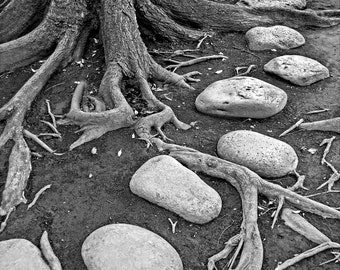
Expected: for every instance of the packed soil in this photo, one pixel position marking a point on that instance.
(89, 191)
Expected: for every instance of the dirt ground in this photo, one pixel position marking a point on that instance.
(77, 203)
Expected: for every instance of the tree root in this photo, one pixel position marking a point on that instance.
(48, 253)
(249, 185)
(178, 64)
(14, 111)
(332, 124)
(307, 254)
(17, 16)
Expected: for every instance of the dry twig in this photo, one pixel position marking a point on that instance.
(297, 124)
(48, 253)
(37, 195)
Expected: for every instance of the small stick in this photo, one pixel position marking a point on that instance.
(37, 195)
(328, 147)
(4, 224)
(173, 225)
(54, 86)
(243, 50)
(194, 61)
(321, 193)
(229, 246)
(336, 258)
(334, 177)
(201, 40)
(244, 73)
(52, 126)
(38, 141)
(317, 111)
(298, 123)
(48, 252)
(50, 113)
(50, 135)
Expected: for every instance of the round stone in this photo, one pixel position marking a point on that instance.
(274, 37)
(127, 247)
(166, 182)
(266, 156)
(241, 97)
(297, 69)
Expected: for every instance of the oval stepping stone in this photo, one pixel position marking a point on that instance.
(266, 156)
(297, 69)
(274, 37)
(128, 247)
(298, 4)
(241, 97)
(166, 182)
(19, 254)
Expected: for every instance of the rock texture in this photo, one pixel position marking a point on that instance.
(298, 4)
(164, 181)
(127, 247)
(20, 254)
(297, 69)
(274, 37)
(266, 156)
(241, 97)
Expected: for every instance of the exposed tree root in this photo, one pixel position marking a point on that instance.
(14, 111)
(48, 252)
(332, 124)
(17, 16)
(249, 185)
(222, 17)
(178, 64)
(307, 254)
(38, 43)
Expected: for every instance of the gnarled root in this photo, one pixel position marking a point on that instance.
(100, 121)
(248, 184)
(14, 111)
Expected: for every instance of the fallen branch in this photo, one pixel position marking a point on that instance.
(173, 225)
(37, 195)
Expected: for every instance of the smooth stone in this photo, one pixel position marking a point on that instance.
(297, 4)
(166, 182)
(274, 37)
(127, 247)
(241, 97)
(297, 69)
(266, 156)
(19, 254)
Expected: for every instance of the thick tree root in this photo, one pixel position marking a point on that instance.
(17, 16)
(222, 17)
(248, 184)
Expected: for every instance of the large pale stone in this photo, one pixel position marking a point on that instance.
(266, 156)
(298, 4)
(20, 254)
(128, 247)
(274, 37)
(241, 97)
(164, 181)
(297, 69)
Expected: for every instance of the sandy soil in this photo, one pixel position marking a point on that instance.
(77, 204)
